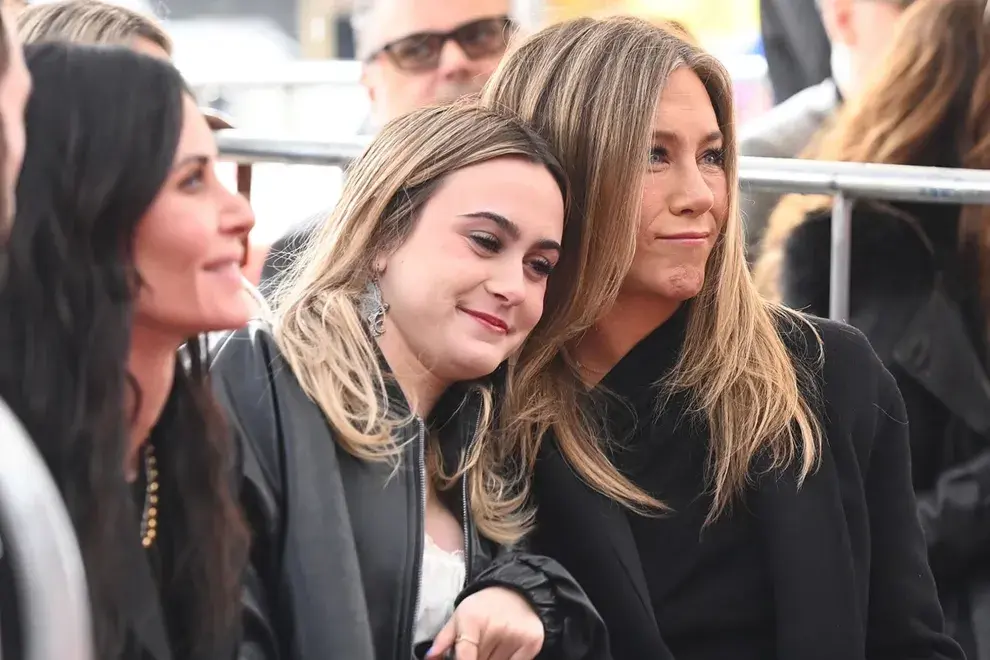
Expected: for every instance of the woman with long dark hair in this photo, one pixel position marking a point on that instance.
(126, 247)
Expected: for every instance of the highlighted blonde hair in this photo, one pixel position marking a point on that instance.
(89, 22)
(591, 87)
(318, 323)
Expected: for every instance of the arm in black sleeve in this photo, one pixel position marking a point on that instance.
(259, 640)
(905, 619)
(955, 516)
(573, 628)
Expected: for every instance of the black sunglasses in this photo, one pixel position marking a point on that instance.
(485, 37)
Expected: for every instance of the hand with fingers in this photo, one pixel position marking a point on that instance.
(492, 624)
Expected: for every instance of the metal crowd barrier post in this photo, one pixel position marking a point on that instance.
(847, 182)
(41, 548)
(838, 305)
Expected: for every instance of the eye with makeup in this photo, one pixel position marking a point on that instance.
(714, 157)
(193, 177)
(192, 181)
(659, 156)
(491, 244)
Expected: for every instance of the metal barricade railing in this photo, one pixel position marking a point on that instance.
(41, 548)
(846, 182)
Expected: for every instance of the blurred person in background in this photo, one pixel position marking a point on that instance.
(126, 247)
(860, 31)
(765, 507)
(93, 22)
(420, 52)
(414, 53)
(919, 280)
(15, 88)
(795, 45)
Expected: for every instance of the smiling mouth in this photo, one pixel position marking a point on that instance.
(492, 322)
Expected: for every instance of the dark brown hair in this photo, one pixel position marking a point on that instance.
(103, 127)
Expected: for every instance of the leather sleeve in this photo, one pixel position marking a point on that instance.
(236, 372)
(573, 628)
(260, 635)
(905, 619)
(956, 517)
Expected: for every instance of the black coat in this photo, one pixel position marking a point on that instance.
(144, 625)
(338, 541)
(914, 298)
(846, 554)
(796, 45)
(145, 613)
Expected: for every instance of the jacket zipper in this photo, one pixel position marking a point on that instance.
(468, 559)
(420, 540)
(421, 528)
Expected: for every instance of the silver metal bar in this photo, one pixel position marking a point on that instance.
(889, 182)
(43, 552)
(838, 303)
(247, 149)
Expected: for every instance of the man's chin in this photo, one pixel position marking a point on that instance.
(451, 94)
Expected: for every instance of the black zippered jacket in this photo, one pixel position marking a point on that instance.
(337, 542)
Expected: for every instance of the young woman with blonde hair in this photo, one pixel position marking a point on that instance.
(765, 508)
(920, 280)
(385, 513)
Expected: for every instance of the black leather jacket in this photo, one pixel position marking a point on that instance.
(338, 541)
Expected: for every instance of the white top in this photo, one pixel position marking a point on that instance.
(442, 581)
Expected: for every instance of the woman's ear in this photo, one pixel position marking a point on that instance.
(379, 265)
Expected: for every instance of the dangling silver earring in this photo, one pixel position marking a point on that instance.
(373, 308)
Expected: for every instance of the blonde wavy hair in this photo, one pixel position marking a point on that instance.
(591, 86)
(927, 103)
(317, 318)
(88, 22)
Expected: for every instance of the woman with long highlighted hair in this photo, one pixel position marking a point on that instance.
(765, 507)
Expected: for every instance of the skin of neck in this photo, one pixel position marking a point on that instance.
(421, 387)
(632, 318)
(151, 364)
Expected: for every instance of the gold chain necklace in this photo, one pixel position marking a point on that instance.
(149, 516)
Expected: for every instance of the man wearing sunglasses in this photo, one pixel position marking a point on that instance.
(420, 52)
(415, 53)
